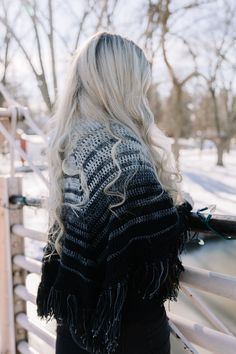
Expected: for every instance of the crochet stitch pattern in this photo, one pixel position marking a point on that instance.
(106, 254)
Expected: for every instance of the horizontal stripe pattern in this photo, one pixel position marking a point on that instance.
(108, 257)
(143, 210)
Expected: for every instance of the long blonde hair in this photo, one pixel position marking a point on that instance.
(108, 80)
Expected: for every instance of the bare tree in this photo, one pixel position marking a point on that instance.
(220, 88)
(163, 25)
(47, 36)
(169, 111)
(6, 54)
(161, 17)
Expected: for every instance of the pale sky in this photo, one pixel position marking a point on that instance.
(129, 20)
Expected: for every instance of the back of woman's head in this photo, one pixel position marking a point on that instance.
(114, 75)
(108, 80)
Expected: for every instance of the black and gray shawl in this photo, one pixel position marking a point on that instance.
(103, 254)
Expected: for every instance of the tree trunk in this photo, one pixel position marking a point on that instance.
(228, 146)
(220, 152)
(202, 139)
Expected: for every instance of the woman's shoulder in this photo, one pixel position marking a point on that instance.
(95, 146)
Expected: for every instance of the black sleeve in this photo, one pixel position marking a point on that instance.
(184, 213)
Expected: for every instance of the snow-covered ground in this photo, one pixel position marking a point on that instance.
(207, 184)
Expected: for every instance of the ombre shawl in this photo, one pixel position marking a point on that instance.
(105, 254)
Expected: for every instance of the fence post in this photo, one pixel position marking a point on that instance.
(10, 275)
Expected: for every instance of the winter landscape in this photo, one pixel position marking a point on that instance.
(185, 53)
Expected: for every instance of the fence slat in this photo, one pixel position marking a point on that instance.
(205, 310)
(24, 348)
(212, 282)
(20, 230)
(207, 338)
(10, 274)
(7, 326)
(27, 263)
(24, 294)
(5, 113)
(46, 336)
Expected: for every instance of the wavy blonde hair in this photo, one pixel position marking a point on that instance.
(108, 80)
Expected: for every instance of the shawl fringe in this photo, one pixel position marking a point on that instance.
(94, 330)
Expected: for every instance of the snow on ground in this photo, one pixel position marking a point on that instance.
(208, 183)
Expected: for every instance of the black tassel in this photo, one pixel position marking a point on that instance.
(107, 319)
(95, 330)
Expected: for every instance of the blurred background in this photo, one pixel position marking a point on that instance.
(191, 45)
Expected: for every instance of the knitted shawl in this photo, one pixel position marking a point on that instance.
(105, 254)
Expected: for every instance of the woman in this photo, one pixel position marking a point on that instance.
(117, 218)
